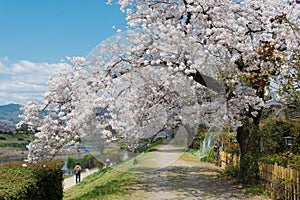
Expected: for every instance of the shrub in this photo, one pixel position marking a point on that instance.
(39, 181)
(98, 163)
(255, 190)
(230, 171)
(199, 137)
(229, 143)
(272, 133)
(279, 190)
(71, 162)
(209, 157)
(283, 159)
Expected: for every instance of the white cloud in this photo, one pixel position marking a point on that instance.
(25, 81)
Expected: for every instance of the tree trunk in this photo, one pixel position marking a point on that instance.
(248, 139)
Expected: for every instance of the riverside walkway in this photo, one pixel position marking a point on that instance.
(169, 173)
(70, 181)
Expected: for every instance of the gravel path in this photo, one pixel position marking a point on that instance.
(186, 180)
(181, 179)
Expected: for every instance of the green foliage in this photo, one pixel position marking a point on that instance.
(88, 161)
(151, 148)
(87, 158)
(255, 190)
(273, 133)
(279, 190)
(209, 157)
(230, 171)
(24, 129)
(199, 137)
(42, 180)
(283, 159)
(230, 144)
(111, 187)
(71, 162)
(105, 184)
(97, 175)
(98, 163)
(15, 140)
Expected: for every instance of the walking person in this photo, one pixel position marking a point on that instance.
(77, 170)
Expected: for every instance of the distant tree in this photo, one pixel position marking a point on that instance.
(7, 126)
(24, 128)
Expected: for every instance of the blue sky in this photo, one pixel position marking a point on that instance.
(35, 35)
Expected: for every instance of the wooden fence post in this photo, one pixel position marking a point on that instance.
(273, 175)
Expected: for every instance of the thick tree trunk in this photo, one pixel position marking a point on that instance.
(248, 139)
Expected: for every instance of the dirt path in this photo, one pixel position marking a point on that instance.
(181, 179)
(186, 180)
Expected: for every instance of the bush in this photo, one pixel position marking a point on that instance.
(272, 133)
(39, 181)
(283, 159)
(230, 171)
(71, 162)
(199, 137)
(98, 163)
(255, 190)
(2, 138)
(229, 143)
(210, 157)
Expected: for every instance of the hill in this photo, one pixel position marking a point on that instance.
(10, 112)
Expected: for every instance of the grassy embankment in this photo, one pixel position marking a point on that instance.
(115, 183)
(13, 146)
(109, 184)
(105, 184)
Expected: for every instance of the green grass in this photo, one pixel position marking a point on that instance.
(17, 141)
(189, 157)
(109, 183)
(13, 146)
(255, 190)
(15, 138)
(105, 184)
(153, 146)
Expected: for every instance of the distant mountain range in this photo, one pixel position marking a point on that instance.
(10, 112)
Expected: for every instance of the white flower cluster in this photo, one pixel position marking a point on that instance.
(148, 77)
(7, 126)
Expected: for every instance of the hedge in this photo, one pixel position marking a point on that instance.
(39, 181)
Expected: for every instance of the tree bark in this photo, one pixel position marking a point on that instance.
(248, 139)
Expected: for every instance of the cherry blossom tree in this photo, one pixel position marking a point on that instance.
(7, 126)
(251, 44)
(213, 59)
